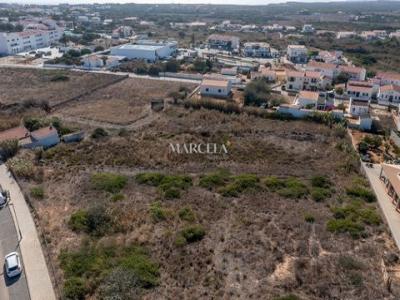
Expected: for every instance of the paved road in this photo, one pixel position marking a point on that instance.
(16, 288)
(37, 275)
(385, 202)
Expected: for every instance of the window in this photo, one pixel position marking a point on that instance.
(207, 89)
(219, 90)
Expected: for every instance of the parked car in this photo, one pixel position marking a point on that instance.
(13, 264)
(3, 198)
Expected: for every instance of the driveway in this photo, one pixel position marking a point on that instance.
(385, 202)
(16, 288)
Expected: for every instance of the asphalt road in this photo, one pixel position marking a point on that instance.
(17, 287)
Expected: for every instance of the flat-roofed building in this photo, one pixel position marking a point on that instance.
(150, 51)
(215, 88)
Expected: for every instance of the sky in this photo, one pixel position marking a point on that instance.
(242, 2)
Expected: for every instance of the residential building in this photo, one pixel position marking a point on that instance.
(346, 34)
(389, 95)
(147, 50)
(229, 71)
(390, 175)
(122, 32)
(215, 88)
(223, 42)
(358, 108)
(256, 49)
(386, 78)
(355, 73)
(375, 34)
(308, 28)
(16, 42)
(297, 53)
(92, 61)
(265, 73)
(308, 80)
(395, 34)
(330, 57)
(307, 99)
(327, 69)
(359, 92)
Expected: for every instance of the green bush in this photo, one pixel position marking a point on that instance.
(345, 226)
(319, 194)
(294, 188)
(21, 167)
(109, 182)
(273, 183)
(74, 288)
(78, 220)
(95, 221)
(8, 149)
(360, 192)
(169, 185)
(193, 233)
(157, 212)
(257, 92)
(309, 218)
(117, 197)
(241, 183)
(37, 192)
(99, 133)
(186, 214)
(215, 179)
(320, 181)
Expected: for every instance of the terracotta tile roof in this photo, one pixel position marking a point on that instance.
(361, 89)
(392, 174)
(291, 73)
(390, 87)
(43, 132)
(312, 74)
(359, 103)
(351, 69)
(309, 95)
(388, 75)
(215, 83)
(16, 133)
(321, 65)
(359, 83)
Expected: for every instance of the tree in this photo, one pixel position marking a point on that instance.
(339, 90)
(256, 92)
(154, 70)
(342, 78)
(8, 149)
(172, 66)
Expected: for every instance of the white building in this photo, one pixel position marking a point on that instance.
(223, 42)
(309, 80)
(215, 88)
(355, 73)
(327, 69)
(359, 92)
(264, 73)
(122, 32)
(16, 42)
(307, 99)
(386, 78)
(346, 34)
(255, 49)
(297, 53)
(358, 108)
(147, 50)
(308, 28)
(389, 95)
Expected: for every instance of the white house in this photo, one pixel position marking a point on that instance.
(355, 73)
(345, 34)
(297, 53)
(308, 28)
(223, 42)
(308, 80)
(147, 50)
(265, 73)
(229, 71)
(307, 99)
(327, 69)
(358, 108)
(215, 88)
(257, 49)
(92, 61)
(386, 78)
(389, 95)
(359, 92)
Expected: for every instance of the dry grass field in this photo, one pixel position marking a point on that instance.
(123, 102)
(289, 215)
(18, 85)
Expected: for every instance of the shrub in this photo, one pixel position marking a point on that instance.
(349, 263)
(99, 133)
(157, 212)
(186, 214)
(109, 182)
(59, 77)
(117, 197)
(319, 194)
(21, 167)
(345, 225)
(309, 218)
(74, 288)
(294, 188)
(256, 92)
(193, 233)
(320, 181)
(37, 192)
(78, 221)
(215, 179)
(8, 149)
(360, 192)
(120, 283)
(169, 185)
(240, 184)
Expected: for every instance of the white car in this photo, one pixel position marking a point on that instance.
(13, 264)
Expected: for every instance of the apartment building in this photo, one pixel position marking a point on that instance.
(297, 54)
(360, 92)
(386, 78)
(308, 80)
(223, 42)
(255, 49)
(389, 95)
(355, 73)
(327, 69)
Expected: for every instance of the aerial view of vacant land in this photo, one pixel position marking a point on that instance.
(18, 85)
(284, 212)
(123, 102)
